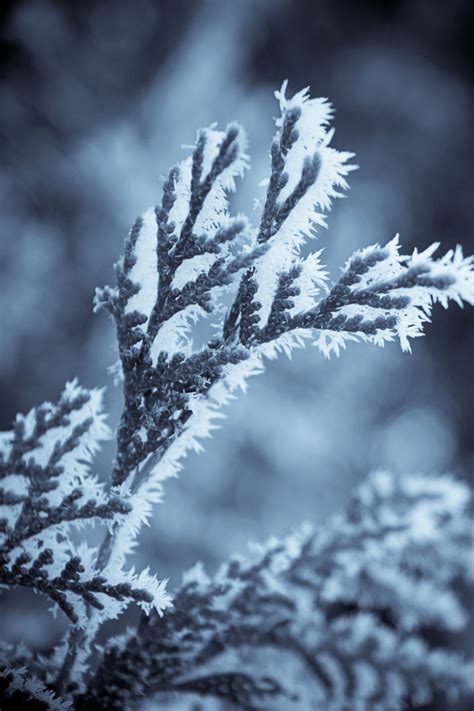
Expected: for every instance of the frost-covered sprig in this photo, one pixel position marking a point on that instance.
(189, 249)
(344, 613)
(189, 258)
(46, 490)
(20, 688)
(382, 295)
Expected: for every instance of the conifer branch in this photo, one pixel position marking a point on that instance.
(346, 607)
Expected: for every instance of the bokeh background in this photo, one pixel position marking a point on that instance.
(96, 99)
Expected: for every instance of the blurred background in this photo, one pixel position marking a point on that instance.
(96, 99)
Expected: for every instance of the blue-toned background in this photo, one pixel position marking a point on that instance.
(96, 99)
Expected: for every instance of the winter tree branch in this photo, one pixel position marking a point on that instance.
(184, 261)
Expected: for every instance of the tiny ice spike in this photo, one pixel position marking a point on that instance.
(343, 610)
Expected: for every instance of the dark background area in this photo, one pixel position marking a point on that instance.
(96, 99)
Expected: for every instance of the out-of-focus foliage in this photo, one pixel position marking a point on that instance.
(341, 612)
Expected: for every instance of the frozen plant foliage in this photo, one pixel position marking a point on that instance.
(189, 259)
(48, 489)
(340, 611)
(202, 298)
